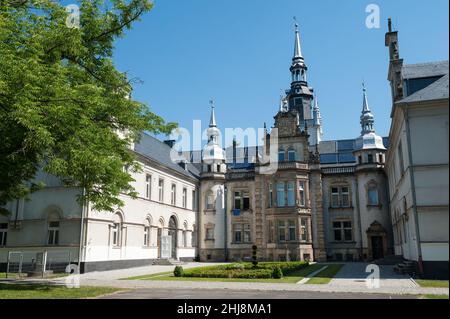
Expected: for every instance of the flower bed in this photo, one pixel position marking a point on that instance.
(245, 270)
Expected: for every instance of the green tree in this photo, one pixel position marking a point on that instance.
(64, 107)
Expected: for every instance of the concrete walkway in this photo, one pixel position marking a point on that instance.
(350, 279)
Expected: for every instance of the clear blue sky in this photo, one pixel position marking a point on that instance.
(239, 52)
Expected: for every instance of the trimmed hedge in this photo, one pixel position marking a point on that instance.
(247, 270)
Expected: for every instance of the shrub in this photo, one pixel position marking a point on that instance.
(277, 273)
(178, 271)
(254, 258)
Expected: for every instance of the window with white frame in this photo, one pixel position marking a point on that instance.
(161, 190)
(3, 233)
(247, 233)
(147, 236)
(345, 197)
(301, 194)
(53, 233)
(340, 196)
(210, 201)
(372, 195)
(184, 198)
(342, 230)
(281, 202)
(291, 194)
(173, 194)
(115, 233)
(148, 186)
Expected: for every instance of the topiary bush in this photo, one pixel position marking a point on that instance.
(178, 271)
(254, 258)
(277, 273)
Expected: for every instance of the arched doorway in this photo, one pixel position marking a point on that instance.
(173, 230)
(377, 241)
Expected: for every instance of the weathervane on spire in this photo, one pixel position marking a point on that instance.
(295, 23)
(211, 102)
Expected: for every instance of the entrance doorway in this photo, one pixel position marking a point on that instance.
(173, 230)
(377, 247)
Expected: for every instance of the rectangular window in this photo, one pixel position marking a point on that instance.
(304, 229)
(210, 201)
(370, 158)
(281, 230)
(280, 195)
(281, 156)
(345, 197)
(270, 231)
(291, 230)
(184, 198)
(342, 231)
(194, 201)
(301, 194)
(334, 197)
(237, 231)
(270, 195)
(246, 201)
(53, 233)
(3, 233)
(148, 186)
(146, 236)
(173, 194)
(237, 200)
(291, 155)
(401, 164)
(209, 234)
(116, 234)
(372, 195)
(291, 194)
(247, 233)
(161, 190)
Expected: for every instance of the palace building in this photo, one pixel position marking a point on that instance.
(325, 199)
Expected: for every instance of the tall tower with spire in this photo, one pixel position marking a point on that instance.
(212, 195)
(300, 95)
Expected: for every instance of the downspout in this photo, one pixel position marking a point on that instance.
(80, 250)
(413, 189)
(359, 218)
(225, 225)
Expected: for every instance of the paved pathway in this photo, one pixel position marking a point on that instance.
(351, 279)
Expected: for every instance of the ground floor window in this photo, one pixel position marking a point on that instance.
(146, 236)
(53, 233)
(241, 233)
(342, 230)
(3, 233)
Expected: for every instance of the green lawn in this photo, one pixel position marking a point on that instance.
(434, 296)
(291, 278)
(2, 275)
(37, 291)
(432, 283)
(325, 276)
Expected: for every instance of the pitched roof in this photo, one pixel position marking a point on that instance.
(435, 91)
(424, 70)
(159, 152)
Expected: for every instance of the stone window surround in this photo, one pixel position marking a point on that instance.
(274, 183)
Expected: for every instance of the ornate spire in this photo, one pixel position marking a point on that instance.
(367, 118)
(212, 120)
(297, 49)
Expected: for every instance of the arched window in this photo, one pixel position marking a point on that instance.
(291, 155)
(116, 230)
(147, 232)
(372, 195)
